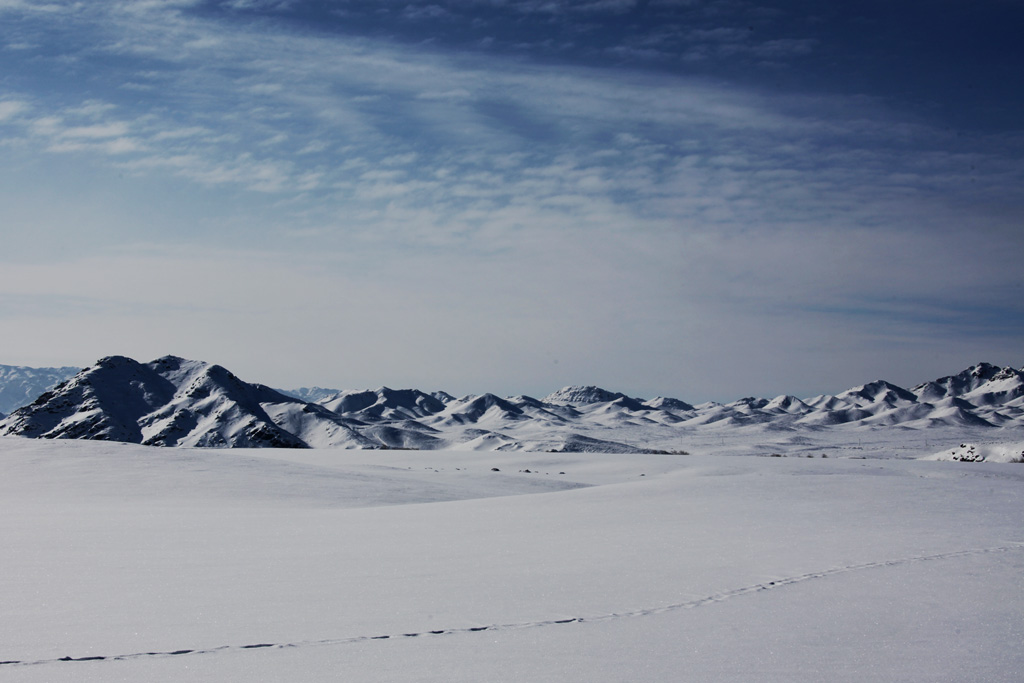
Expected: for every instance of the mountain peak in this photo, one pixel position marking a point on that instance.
(577, 394)
(983, 370)
(114, 362)
(172, 362)
(964, 382)
(875, 392)
(666, 403)
(169, 401)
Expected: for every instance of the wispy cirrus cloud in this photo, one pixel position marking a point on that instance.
(10, 108)
(30, 6)
(337, 101)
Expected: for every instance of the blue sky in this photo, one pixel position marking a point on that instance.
(697, 199)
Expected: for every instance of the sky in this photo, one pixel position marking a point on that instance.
(705, 200)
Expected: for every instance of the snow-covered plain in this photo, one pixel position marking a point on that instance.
(175, 564)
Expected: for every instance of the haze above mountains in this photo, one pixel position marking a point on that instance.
(172, 401)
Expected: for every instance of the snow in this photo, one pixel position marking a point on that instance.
(290, 565)
(983, 452)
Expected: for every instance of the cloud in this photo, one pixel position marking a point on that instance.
(27, 6)
(105, 130)
(564, 6)
(710, 154)
(265, 5)
(91, 109)
(82, 133)
(415, 13)
(734, 42)
(180, 133)
(112, 147)
(10, 109)
(254, 174)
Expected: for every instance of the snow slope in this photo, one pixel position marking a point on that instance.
(125, 562)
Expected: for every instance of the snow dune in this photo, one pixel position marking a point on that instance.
(127, 562)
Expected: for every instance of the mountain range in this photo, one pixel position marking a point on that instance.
(172, 401)
(20, 385)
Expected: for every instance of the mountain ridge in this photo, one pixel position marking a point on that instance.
(172, 401)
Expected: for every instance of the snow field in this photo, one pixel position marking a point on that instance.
(705, 568)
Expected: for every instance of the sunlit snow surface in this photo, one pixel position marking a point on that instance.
(157, 564)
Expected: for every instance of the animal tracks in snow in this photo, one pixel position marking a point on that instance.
(691, 604)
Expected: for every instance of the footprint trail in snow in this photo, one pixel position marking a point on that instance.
(691, 604)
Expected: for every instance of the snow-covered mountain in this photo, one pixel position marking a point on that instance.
(172, 401)
(177, 402)
(578, 395)
(384, 404)
(20, 385)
